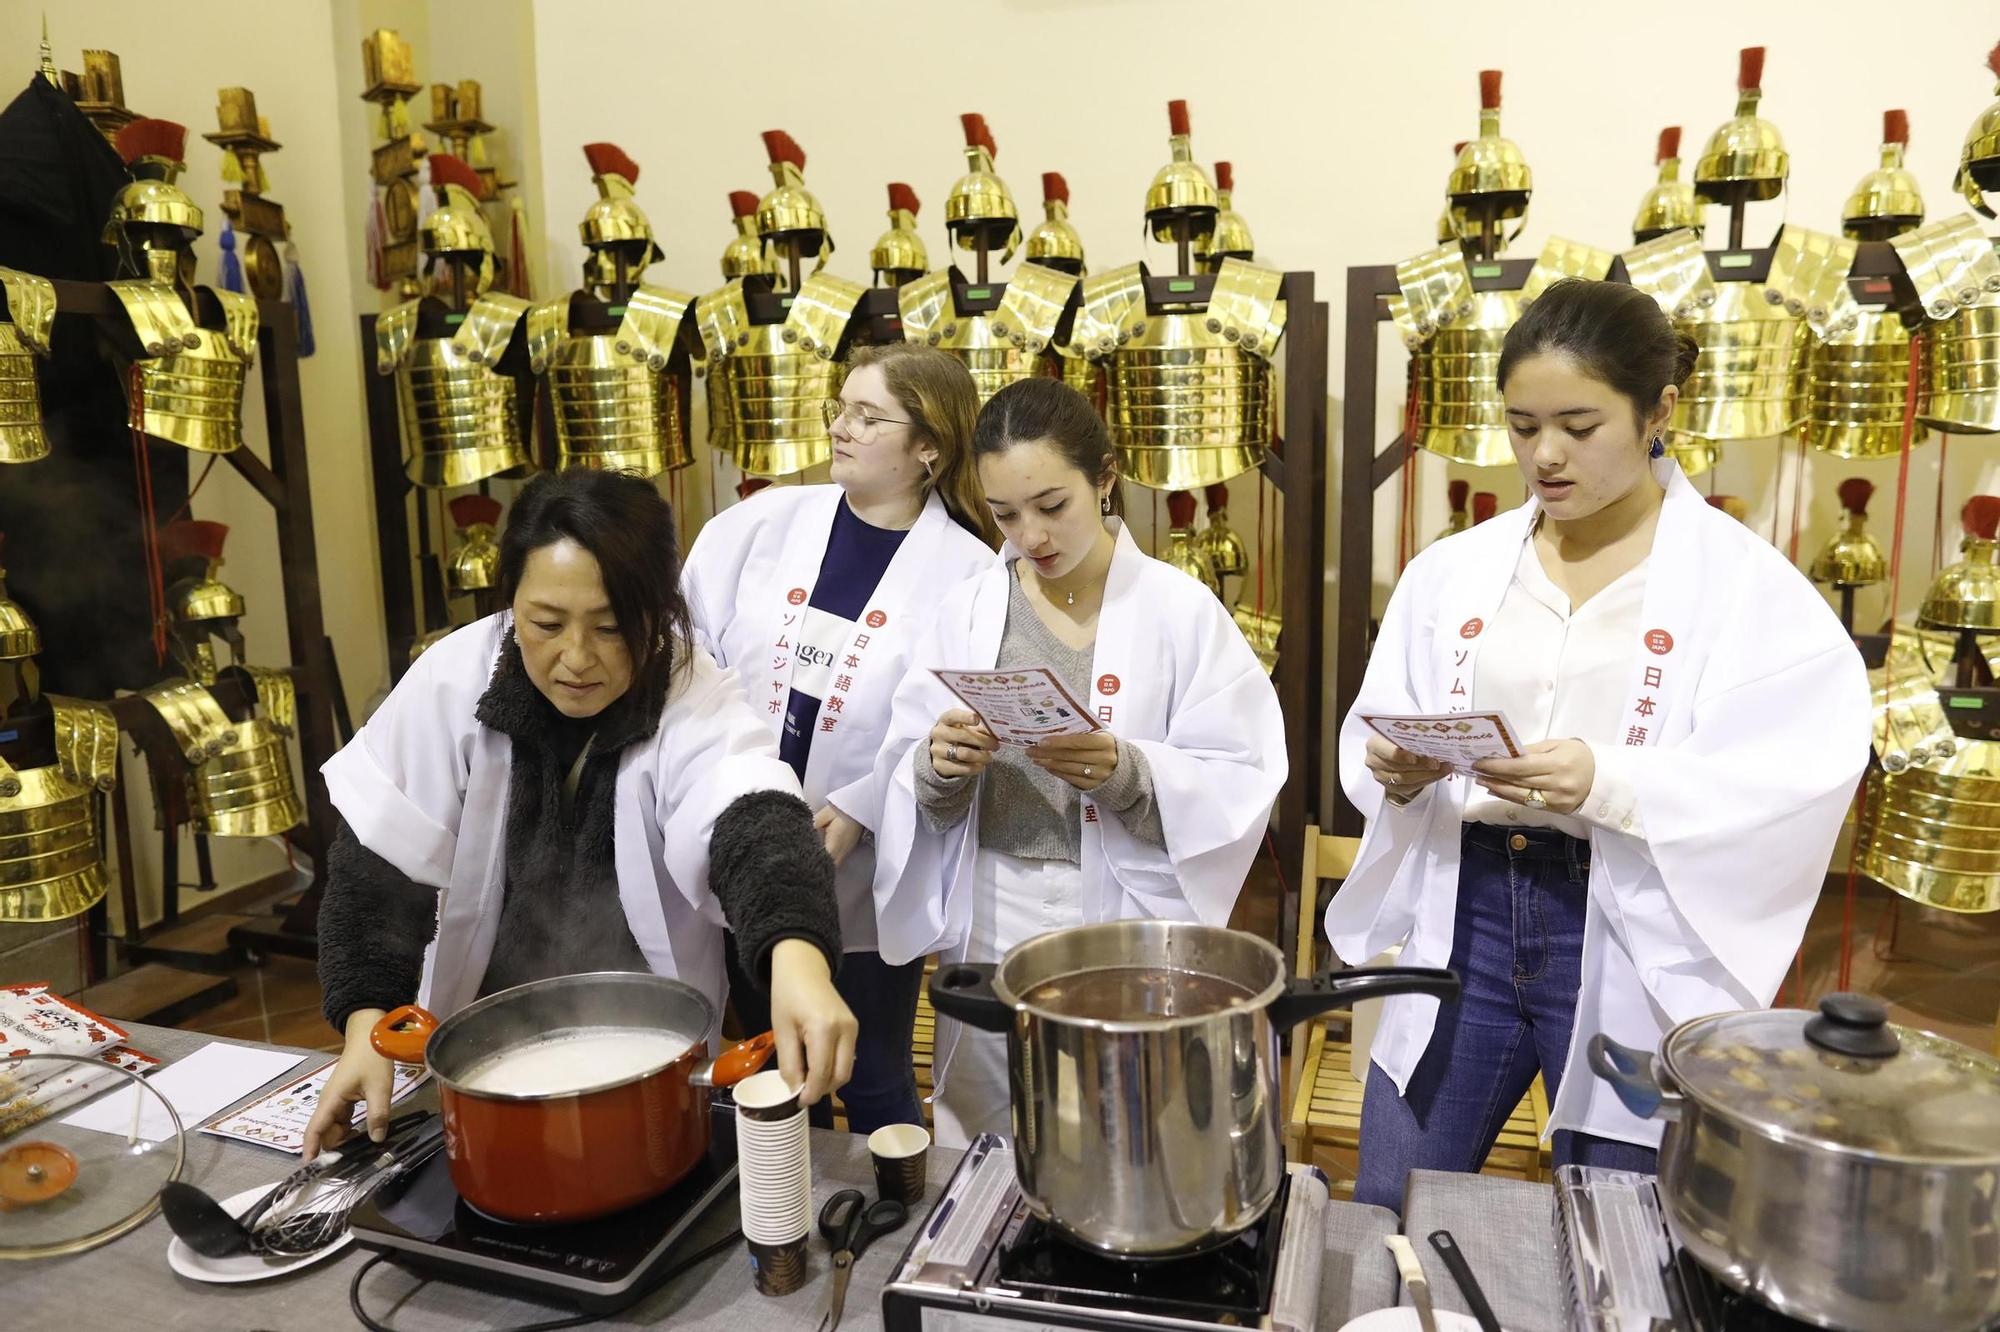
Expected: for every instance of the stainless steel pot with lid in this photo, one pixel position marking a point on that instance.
(1842, 1169)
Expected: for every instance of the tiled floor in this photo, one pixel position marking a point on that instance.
(277, 1002)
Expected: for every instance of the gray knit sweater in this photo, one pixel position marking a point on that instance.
(1024, 811)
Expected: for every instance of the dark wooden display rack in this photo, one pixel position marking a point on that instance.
(1877, 278)
(284, 484)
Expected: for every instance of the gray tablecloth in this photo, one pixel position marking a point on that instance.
(127, 1283)
(1505, 1228)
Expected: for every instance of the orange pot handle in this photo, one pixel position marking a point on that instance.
(742, 1059)
(401, 1035)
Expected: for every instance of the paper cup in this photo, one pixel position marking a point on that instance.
(766, 1096)
(899, 1153)
(779, 1269)
(774, 1174)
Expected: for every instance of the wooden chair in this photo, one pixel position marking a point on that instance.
(1326, 1097)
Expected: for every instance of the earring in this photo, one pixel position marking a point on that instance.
(929, 475)
(1659, 449)
(1104, 505)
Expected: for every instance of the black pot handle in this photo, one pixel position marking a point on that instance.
(1304, 999)
(1630, 1073)
(964, 990)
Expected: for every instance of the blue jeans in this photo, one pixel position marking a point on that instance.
(1517, 946)
(883, 1089)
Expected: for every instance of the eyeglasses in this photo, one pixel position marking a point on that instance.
(859, 422)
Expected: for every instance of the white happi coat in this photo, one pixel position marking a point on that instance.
(1172, 676)
(748, 581)
(424, 786)
(1744, 731)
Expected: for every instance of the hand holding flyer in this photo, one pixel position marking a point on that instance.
(1457, 739)
(1021, 707)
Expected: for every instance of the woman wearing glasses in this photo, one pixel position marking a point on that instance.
(814, 595)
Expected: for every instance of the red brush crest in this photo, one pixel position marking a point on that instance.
(1993, 60)
(1896, 127)
(1225, 176)
(1855, 493)
(1750, 69)
(1670, 144)
(1484, 505)
(1217, 496)
(449, 170)
(1054, 188)
(976, 133)
(903, 197)
(608, 159)
(1720, 502)
(782, 147)
(1457, 493)
(1489, 90)
(1981, 516)
(192, 538)
(1459, 147)
(750, 485)
(742, 203)
(1180, 508)
(1177, 117)
(472, 510)
(152, 138)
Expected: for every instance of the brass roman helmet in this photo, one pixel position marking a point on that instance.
(153, 224)
(1745, 158)
(1184, 551)
(1231, 238)
(1979, 159)
(1218, 542)
(790, 214)
(615, 227)
(1180, 200)
(1924, 824)
(1447, 230)
(899, 255)
(980, 209)
(455, 234)
(199, 594)
(744, 256)
(1491, 178)
(24, 336)
(1457, 492)
(1851, 559)
(1054, 242)
(19, 638)
(475, 565)
(1671, 203)
(1856, 381)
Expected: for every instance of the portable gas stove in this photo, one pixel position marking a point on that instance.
(981, 1262)
(420, 1222)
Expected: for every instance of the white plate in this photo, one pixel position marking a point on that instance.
(1403, 1318)
(243, 1266)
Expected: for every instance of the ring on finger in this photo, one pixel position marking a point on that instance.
(1086, 770)
(951, 751)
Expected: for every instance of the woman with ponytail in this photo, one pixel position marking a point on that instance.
(1692, 721)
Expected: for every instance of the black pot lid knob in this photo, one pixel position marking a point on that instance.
(1854, 1025)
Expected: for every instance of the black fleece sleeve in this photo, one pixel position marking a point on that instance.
(774, 879)
(374, 924)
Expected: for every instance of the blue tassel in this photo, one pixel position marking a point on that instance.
(295, 292)
(232, 267)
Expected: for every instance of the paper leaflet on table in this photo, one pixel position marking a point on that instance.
(36, 1021)
(1460, 739)
(1022, 706)
(280, 1119)
(196, 1085)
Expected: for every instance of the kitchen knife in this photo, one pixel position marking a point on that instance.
(1412, 1273)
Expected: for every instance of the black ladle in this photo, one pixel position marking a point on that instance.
(205, 1226)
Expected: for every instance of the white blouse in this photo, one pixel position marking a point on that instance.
(1560, 674)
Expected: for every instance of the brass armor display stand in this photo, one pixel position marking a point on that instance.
(283, 484)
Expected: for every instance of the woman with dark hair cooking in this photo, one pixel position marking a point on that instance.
(570, 786)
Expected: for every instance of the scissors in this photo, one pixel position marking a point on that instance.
(851, 1223)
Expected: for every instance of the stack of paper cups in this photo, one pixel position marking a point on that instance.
(774, 1169)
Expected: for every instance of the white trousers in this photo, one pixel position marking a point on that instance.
(1014, 900)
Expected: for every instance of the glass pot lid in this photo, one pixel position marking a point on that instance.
(1844, 1077)
(64, 1189)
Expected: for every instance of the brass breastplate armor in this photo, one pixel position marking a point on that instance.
(51, 866)
(191, 378)
(1854, 384)
(617, 402)
(31, 308)
(774, 379)
(462, 420)
(1957, 278)
(240, 779)
(1188, 395)
(1010, 343)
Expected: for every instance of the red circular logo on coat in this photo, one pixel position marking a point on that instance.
(1471, 628)
(1108, 685)
(1660, 642)
(797, 596)
(876, 619)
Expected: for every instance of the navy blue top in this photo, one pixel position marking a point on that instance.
(857, 555)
